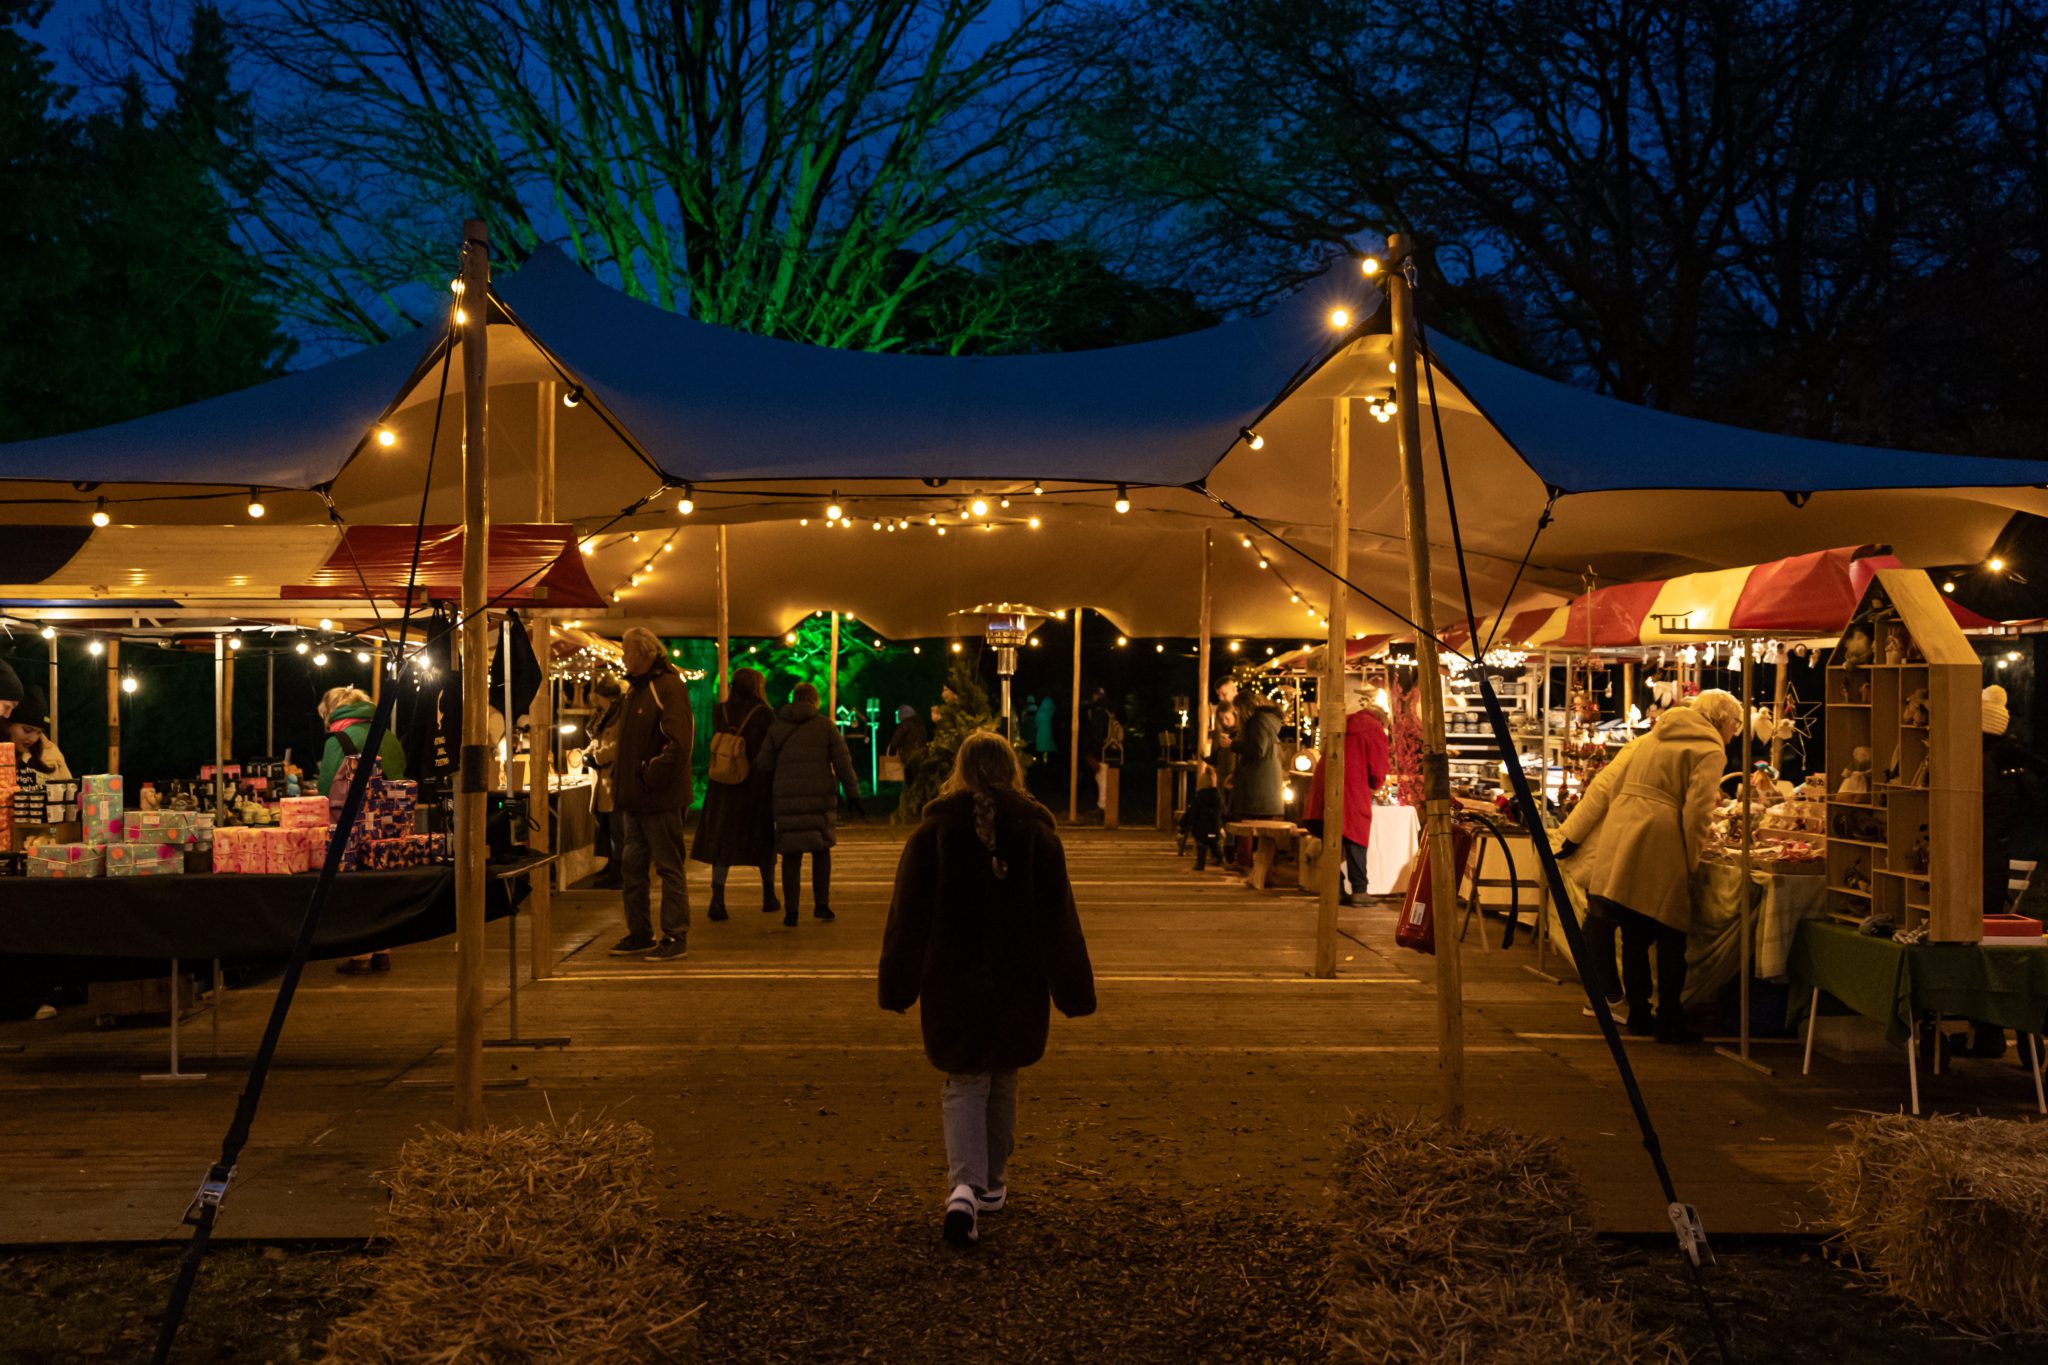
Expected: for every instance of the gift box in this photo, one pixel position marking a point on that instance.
(235, 850)
(101, 814)
(160, 826)
(302, 812)
(67, 860)
(38, 867)
(101, 784)
(144, 860)
(408, 850)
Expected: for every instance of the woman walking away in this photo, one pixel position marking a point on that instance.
(736, 827)
(983, 930)
(1643, 822)
(604, 746)
(806, 763)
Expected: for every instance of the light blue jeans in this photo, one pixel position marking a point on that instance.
(981, 1114)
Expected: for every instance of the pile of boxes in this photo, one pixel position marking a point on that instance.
(154, 847)
(382, 836)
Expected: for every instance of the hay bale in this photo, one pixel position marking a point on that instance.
(1468, 1246)
(1538, 1319)
(1946, 1214)
(1418, 1201)
(538, 1242)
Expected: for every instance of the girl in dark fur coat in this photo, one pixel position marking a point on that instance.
(983, 930)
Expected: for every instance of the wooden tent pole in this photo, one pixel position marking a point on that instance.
(540, 733)
(724, 616)
(52, 692)
(1333, 720)
(1074, 729)
(1436, 771)
(832, 676)
(473, 774)
(270, 699)
(220, 762)
(114, 704)
(1781, 668)
(1202, 653)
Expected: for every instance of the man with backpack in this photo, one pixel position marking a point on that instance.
(651, 788)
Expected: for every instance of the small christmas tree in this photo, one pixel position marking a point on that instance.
(963, 709)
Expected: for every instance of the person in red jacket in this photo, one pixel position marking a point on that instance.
(1365, 768)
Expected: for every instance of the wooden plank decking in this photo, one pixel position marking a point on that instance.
(769, 1075)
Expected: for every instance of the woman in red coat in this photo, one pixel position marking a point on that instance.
(983, 931)
(1365, 768)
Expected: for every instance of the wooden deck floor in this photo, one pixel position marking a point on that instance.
(761, 1062)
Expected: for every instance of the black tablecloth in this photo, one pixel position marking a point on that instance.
(238, 919)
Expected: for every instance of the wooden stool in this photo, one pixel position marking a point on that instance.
(1268, 836)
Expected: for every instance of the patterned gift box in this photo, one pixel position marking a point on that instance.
(101, 784)
(302, 812)
(67, 860)
(38, 867)
(235, 850)
(102, 817)
(160, 826)
(410, 850)
(144, 860)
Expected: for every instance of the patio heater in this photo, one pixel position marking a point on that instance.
(1007, 625)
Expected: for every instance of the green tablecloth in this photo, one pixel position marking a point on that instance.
(1888, 982)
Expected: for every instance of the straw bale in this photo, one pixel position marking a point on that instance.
(1418, 1201)
(1946, 1213)
(538, 1242)
(1512, 1319)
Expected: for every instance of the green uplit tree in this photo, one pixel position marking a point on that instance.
(963, 709)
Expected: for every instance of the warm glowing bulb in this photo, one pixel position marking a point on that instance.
(461, 318)
(878, 526)
(386, 437)
(790, 638)
(1948, 586)
(128, 685)
(1370, 266)
(99, 514)
(1234, 646)
(1252, 439)
(979, 507)
(1340, 318)
(686, 504)
(95, 649)
(234, 642)
(49, 632)
(1034, 642)
(1037, 490)
(1005, 502)
(1995, 564)
(1247, 540)
(1294, 597)
(1123, 498)
(320, 660)
(326, 624)
(1159, 649)
(1303, 763)
(942, 530)
(588, 548)
(833, 511)
(1121, 642)
(362, 656)
(1034, 523)
(1262, 562)
(803, 521)
(301, 647)
(668, 547)
(256, 508)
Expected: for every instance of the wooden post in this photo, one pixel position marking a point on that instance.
(376, 670)
(473, 772)
(227, 707)
(540, 735)
(832, 677)
(1783, 666)
(113, 704)
(1436, 771)
(220, 762)
(1334, 719)
(52, 691)
(270, 698)
(1202, 657)
(724, 617)
(1074, 730)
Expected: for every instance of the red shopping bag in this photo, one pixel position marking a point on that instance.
(1417, 926)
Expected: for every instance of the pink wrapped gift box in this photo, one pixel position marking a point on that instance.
(302, 812)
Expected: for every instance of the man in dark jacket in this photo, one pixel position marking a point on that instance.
(651, 788)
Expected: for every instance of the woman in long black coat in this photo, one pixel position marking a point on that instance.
(737, 825)
(983, 930)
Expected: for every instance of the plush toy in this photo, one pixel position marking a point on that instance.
(1855, 783)
(1894, 647)
(1856, 646)
(1915, 713)
(1916, 859)
(1854, 878)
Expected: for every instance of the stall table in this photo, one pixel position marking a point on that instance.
(1780, 901)
(1893, 984)
(574, 830)
(1396, 832)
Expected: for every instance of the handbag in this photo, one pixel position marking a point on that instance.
(890, 768)
(729, 763)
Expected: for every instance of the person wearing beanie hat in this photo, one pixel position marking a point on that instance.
(10, 689)
(1996, 717)
(36, 754)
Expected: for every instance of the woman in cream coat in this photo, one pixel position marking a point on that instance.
(1638, 834)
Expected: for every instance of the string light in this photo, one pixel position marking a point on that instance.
(803, 521)
(386, 437)
(1159, 649)
(128, 684)
(1034, 523)
(833, 511)
(979, 507)
(326, 624)
(1005, 503)
(320, 660)
(1037, 490)
(1370, 266)
(255, 505)
(234, 643)
(1252, 439)
(587, 547)
(1949, 586)
(1995, 564)
(1234, 646)
(49, 632)
(1123, 498)
(99, 513)
(957, 647)
(790, 638)
(362, 656)
(1034, 642)
(668, 547)
(96, 648)
(1340, 318)
(942, 530)
(572, 398)
(688, 502)
(1121, 642)
(461, 318)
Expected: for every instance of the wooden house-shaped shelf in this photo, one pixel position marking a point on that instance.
(1904, 700)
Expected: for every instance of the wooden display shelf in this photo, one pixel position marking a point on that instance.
(1849, 891)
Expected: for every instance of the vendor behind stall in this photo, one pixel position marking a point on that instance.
(346, 713)
(36, 756)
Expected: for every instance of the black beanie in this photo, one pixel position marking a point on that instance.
(10, 685)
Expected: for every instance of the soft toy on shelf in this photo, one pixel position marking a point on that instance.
(1916, 859)
(1894, 647)
(1856, 646)
(1915, 713)
(1855, 783)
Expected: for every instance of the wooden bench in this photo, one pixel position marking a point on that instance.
(1268, 838)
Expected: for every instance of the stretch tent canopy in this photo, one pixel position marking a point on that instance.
(770, 431)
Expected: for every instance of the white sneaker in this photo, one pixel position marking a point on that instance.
(988, 1201)
(1614, 1010)
(960, 1217)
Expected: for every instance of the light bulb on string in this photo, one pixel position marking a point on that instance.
(979, 507)
(1037, 490)
(1033, 523)
(668, 547)
(1123, 498)
(833, 511)
(386, 437)
(99, 513)
(256, 508)
(1121, 642)
(96, 648)
(687, 503)
(572, 397)
(1340, 318)
(302, 648)
(942, 530)
(320, 660)
(1369, 266)
(362, 656)
(234, 643)
(1252, 439)
(49, 632)
(128, 684)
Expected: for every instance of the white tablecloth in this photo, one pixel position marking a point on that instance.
(1395, 833)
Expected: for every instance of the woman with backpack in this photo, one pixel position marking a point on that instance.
(983, 932)
(806, 764)
(737, 825)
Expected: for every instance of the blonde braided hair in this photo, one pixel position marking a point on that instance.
(984, 765)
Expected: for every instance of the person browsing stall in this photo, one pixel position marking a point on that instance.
(652, 784)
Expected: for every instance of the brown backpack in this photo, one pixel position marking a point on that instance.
(729, 763)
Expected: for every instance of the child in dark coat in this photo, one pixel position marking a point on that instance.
(984, 932)
(1202, 821)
